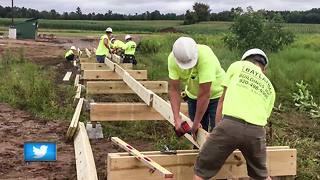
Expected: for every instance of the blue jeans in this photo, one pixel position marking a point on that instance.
(209, 115)
(100, 58)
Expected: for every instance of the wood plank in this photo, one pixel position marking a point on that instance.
(141, 90)
(126, 112)
(109, 64)
(143, 158)
(111, 75)
(86, 168)
(126, 66)
(76, 80)
(67, 76)
(93, 66)
(280, 162)
(78, 92)
(75, 119)
(120, 87)
(88, 53)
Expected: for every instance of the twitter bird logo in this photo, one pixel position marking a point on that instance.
(40, 152)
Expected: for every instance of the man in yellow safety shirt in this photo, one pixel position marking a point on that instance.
(199, 69)
(116, 45)
(129, 50)
(246, 104)
(104, 49)
(71, 54)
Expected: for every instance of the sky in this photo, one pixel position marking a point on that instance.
(164, 6)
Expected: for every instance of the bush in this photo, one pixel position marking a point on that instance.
(253, 30)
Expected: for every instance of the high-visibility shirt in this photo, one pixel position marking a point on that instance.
(118, 44)
(68, 53)
(207, 69)
(130, 48)
(102, 50)
(250, 95)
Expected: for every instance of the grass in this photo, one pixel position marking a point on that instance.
(28, 86)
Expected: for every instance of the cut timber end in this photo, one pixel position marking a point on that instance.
(111, 75)
(86, 168)
(281, 162)
(67, 76)
(119, 87)
(126, 112)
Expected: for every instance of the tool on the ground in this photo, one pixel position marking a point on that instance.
(143, 158)
(184, 128)
(166, 150)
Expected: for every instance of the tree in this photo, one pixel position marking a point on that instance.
(190, 18)
(253, 30)
(202, 11)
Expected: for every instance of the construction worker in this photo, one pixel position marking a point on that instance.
(199, 69)
(104, 49)
(246, 104)
(129, 50)
(71, 54)
(116, 45)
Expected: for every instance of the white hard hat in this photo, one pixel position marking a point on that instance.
(185, 51)
(127, 37)
(255, 51)
(109, 29)
(73, 48)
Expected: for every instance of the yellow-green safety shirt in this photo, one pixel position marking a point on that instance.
(207, 69)
(250, 95)
(117, 44)
(68, 53)
(130, 48)
(102, 50)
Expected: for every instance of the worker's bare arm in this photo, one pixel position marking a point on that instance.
(175, 100)
(220, 107)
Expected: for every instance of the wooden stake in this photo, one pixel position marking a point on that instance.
(67, 76)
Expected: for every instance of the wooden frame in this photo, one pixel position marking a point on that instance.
(75, 119)
(143, 158)
(120, 87)
(126, 112)
(111, 75)
(280, 162)
(93, 66)
(86, 168)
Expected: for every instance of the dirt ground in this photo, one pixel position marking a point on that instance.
(18, 126)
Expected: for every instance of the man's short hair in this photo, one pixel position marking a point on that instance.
(257, 58)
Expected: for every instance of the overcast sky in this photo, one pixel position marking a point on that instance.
(165, 6)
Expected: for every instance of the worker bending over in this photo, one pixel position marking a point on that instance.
(129, 50)
(104, 49)
(116, 46)
(71, 54)
(199, 69)
(246, 104)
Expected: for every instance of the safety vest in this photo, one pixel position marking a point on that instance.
(117, 44)
(102, 50)
(68, 53)
(130, 48)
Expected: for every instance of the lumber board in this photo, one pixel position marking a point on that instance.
(78, 93)
(111, 75)
(75, 120)
(164, 108)
(120, 87)
(93, 66)
(88, 53)
(109, 64)
(280, 162)
(76, 80)
(126, 66)
(143, 158)
(115, 58)
(88, 60)
(126, 112)
(86, 168)
(143, 92)
(67, 76)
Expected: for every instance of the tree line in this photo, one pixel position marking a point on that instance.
(200, 12)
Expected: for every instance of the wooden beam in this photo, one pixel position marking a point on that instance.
(78, 93)
(88, 53)
(75, 119)
(111, 75)
(86, 168)
(143, 158)
(120, 87)
(93, 66)
(76, 80)
(126, 112)
(280, 162)
(67, 76)
(88, 60)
